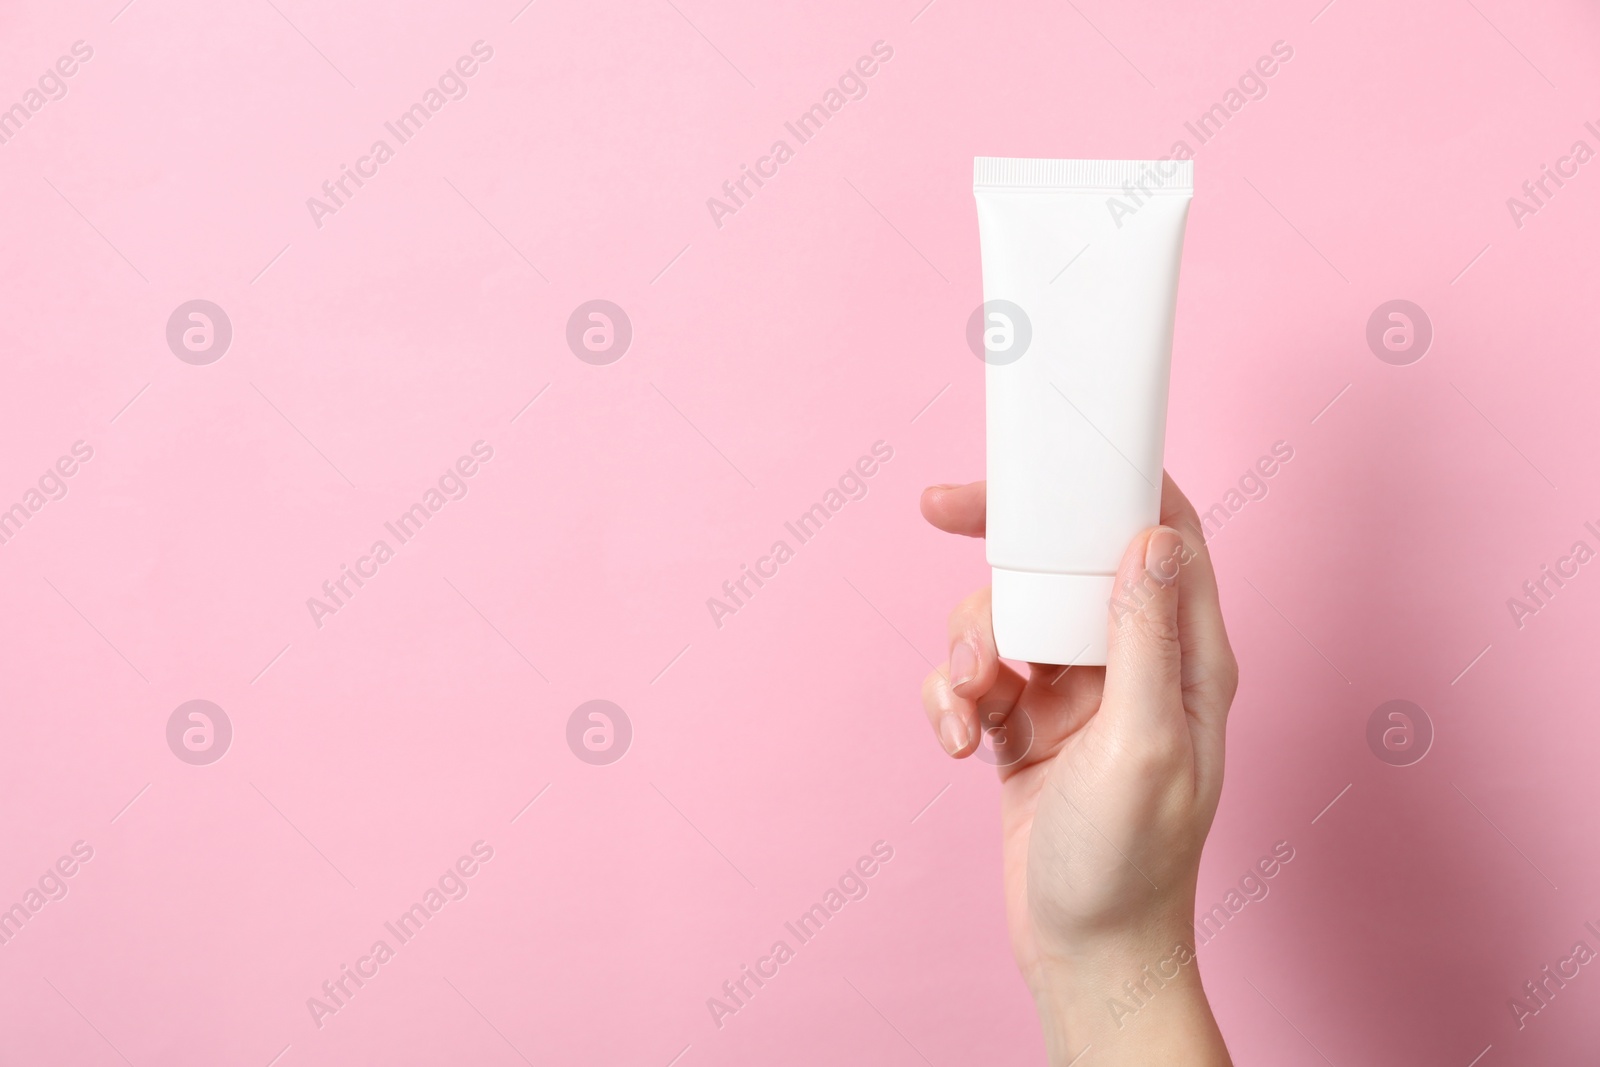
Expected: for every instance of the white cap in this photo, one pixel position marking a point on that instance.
(1052, 618)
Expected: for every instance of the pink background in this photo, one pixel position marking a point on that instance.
(768, 354)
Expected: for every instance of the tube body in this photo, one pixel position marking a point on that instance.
(1080, 281)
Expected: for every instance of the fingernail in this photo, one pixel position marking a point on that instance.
(1163, 555)
(963, 664)
(953, 733)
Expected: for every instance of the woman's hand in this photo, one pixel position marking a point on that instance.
(1110, 778)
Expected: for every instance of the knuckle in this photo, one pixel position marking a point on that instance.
(1152, 756)
(967, 616)
(1158, 632)
(1216, 680)
(1228, 676)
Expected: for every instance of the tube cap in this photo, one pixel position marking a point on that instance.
(1052, 618)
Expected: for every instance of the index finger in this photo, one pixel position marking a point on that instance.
(957, 509)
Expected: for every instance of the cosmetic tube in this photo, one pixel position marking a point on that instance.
(1080, 283)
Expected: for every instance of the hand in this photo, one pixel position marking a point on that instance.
(1110, 777)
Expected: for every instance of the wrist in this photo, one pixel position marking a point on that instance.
(1133, 996)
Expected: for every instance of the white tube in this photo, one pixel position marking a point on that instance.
(1080, 282)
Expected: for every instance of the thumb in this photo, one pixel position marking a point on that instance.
(1143, 663)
